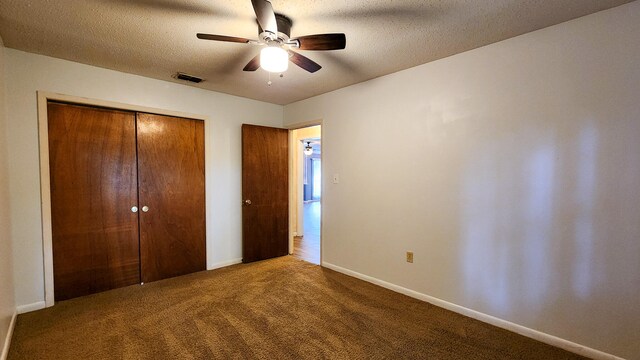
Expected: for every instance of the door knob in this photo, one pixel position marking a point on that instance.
(134, 209)
(145, 208)
(247, 202)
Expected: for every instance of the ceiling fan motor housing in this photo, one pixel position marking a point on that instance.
(284, 29)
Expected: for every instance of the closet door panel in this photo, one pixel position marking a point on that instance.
(172, 191)
(93, 187)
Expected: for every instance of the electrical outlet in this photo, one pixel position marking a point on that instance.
(410, 256)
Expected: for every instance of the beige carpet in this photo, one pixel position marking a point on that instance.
(276, 309)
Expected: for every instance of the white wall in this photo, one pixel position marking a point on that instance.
(26, 73)
(513, 173)
(7, 306)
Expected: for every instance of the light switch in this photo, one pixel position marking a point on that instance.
(336, 178)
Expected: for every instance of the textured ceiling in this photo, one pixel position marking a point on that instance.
(156, 38)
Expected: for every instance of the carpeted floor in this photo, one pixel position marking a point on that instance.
(283, 308)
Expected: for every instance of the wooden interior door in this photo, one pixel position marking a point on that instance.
(265, 192)
(172, 197)
(92, 159)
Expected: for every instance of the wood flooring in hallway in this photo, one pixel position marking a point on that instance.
(307, 247)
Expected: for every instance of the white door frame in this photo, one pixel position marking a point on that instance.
(293, 187)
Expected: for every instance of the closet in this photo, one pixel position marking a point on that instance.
(127, 197)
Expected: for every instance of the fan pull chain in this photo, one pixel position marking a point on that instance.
(271, 82)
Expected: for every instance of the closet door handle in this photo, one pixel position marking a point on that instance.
(145, 208)
(134, 209)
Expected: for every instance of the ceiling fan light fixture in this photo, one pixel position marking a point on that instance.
(308, 150)
(274, 59)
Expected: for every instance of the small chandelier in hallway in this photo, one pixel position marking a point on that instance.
(308, 150)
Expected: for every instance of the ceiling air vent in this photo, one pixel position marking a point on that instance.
(186, 77)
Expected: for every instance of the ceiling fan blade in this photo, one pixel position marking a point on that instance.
(253, 65)
(222, 38)
(265, 15)
(322, 42)
(304, 62)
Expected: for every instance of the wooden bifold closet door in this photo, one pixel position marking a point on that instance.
(92, 160)
(171, 180)
(127, 198)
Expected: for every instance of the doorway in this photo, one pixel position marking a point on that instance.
(306, 176)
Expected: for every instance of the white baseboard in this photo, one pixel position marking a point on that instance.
(507, 325)
(225, 263)
(7, 339)
(21, 309)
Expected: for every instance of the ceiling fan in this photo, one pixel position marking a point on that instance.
(274, 31)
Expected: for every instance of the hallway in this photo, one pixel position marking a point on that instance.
(307, 247)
